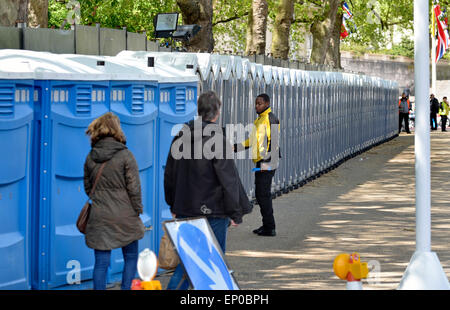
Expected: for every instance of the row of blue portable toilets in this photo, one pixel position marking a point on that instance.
(48, 100)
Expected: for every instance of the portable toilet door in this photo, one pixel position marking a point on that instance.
(65, 90)
(17, 131)
(300, 128)
(295, 128)
(132, 94)
(204, 62)
(222, 70)
(177, 105)
(245, 115)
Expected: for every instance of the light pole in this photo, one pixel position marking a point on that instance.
(424, 270)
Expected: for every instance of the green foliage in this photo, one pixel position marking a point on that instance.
(230, 36)
(57, 13)
(378, 22)
(136, 15)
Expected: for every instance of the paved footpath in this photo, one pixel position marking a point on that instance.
(366, 205)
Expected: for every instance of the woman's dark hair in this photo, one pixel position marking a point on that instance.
(264, 97)
(208, 105)
(107, 125)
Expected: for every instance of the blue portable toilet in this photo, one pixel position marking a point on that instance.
(17, 128)
(132, 97)
(63, 93)
(177, 104)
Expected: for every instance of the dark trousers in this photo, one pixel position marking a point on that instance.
(444, 122)
(263, 182)
(103, 259)
(433, 121)
(403, 117)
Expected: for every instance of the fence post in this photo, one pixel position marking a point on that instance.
(97, 26)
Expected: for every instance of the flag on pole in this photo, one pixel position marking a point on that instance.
(443, 39)
(347, 13)
(345, 29)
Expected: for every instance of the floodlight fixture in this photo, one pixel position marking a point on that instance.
(186, 32)
(165, 24)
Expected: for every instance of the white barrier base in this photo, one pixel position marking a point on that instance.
(424, 272)
(354, 285)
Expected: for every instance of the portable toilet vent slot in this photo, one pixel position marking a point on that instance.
(60, 96)
(83, 101)
(149, 95)
(137, 102)
(98, 95)
(6, 100)
(150, 62)
(180, 100)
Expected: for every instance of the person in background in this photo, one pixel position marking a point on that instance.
(434, 110)
(114, 220)
(264, 143)
(443, 112)
(404, 106)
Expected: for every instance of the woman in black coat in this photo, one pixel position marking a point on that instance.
(114, 220)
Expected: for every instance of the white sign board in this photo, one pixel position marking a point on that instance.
(200, 254)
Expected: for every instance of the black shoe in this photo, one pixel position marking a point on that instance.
(258, 230)
(268, 233)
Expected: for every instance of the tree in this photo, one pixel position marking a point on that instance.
(198, 12)
(13, 11)
(256, 28)
(326, 35)
(282, 28)
(38, 13)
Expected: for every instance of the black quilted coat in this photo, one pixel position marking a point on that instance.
(204, 187)
(114, 220)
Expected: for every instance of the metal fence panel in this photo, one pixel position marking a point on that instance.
(49, 40)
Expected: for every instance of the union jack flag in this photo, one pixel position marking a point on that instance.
(443, 39)
(345, 30)
(347, 13)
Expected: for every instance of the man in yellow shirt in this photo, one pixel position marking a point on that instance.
(443, 112)
(264, 144)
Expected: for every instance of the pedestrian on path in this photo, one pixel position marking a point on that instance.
(264, 143)
(443, 112)
(434, 110)
(404, 106)
(202, 185)
(114, 220)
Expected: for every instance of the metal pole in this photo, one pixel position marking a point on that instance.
(422, 134)
(424, 270)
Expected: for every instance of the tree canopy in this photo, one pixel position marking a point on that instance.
(381, 25)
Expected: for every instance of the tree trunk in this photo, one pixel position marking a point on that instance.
(281, 29)
(13, 11)
(198, 12)
(256, 28)
(38, 13)
(326, 36)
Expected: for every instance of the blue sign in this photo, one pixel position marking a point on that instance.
(200, 254)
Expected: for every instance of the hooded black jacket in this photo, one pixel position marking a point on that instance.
(114, 220)
(206, 186)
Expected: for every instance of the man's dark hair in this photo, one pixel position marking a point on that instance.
(444, 98)
(208, 105)
(264, 97)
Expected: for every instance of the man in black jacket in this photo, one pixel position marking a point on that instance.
(434, 110)
(200, 180)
